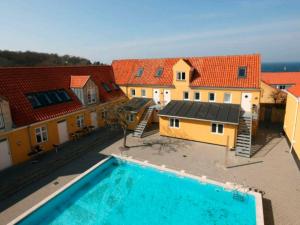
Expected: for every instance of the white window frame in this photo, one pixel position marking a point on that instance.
(179, 76)
(281, 86)
(130, 117)
(172, 123)
(80, 121)
(91, 95)
(42, 132)
(197, 92)
(215, 96)
(143, 94)
(230, 98)
(217, 128)
(186, 99)
(131, 92)
(2, 122)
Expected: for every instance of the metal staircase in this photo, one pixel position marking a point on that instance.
(139, 130)
(243, 141)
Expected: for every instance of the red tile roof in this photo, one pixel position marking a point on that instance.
(16, 82)
(79, 81)
(215, 71)
(292, 78)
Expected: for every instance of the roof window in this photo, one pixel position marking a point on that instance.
(45, 98)
(159, 72)
(106, 87)
(242, 73)
(140, 72)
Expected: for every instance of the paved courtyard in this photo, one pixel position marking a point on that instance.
(271, 171)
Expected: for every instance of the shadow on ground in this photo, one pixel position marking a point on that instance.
(89, 155)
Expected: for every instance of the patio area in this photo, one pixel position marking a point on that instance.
(271, 171)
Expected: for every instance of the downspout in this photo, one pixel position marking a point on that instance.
(295, 124)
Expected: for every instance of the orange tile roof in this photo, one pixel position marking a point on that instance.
(292, 78)
(79, 81)
(214, 71)
(15, 83)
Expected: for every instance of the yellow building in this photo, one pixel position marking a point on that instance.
(41, 108)
(218, 81)
(292, 121)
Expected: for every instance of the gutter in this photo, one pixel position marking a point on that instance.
(295, 125)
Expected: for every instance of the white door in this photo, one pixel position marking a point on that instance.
(5, 159)
(94, 119)
(63, 134)
(156, 95)
(246, 102)
(167, 96)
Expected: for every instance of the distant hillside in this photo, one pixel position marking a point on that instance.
(28, 58)
(281, 67)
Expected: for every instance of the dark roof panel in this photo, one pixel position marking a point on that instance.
(220, 112)
(135, 104)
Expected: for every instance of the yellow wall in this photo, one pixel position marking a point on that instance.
(266, 93)
(198, 131)
(22, 140)
(290, 120)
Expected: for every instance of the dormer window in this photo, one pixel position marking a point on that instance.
(242, 73)
(159, 72)
(180, 75)
(140, 72)
(91, 95)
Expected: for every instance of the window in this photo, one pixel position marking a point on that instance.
(130, 117)
(80, 121)
(174, 123)
(197, 96)
(185, 95)
(63, 95)
(2, 124)
(217, 128)
(211, 97)
(91, 95)
(180, 75)
(115, 86)
(104, 115)
(41, 134)
(143, 93)
(106, 87)
(242, 73)
(159, 72)
(34, 101)
(281, 87)
(132, 92)
(227, 98)
(140, 72)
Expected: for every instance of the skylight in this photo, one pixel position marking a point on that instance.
(45, 98)
(159, 72)
(115, 86)
(140, 72)
(106, 87)
(242, 72)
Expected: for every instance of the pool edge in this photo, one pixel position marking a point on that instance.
(229, 186)
(57, 192)
(203, 179)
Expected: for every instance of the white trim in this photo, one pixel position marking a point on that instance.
(180, 117)
(40, 132)
(142, 92)
(132, 89)
(186, 99)
(214, 97)
(197, 100)
(180, 76)
(217, 128)
(174, 119)
(227, 187)
(230, 100)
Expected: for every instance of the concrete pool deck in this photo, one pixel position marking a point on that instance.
(271, 171)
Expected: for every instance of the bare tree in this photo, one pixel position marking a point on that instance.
(278, 96)
(116, 116)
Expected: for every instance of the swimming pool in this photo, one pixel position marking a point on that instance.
(124, 192)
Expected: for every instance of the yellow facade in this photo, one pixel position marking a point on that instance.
(23, 139)
(197, 130)
(292, 122)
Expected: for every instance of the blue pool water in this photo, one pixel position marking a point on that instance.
(123, 193)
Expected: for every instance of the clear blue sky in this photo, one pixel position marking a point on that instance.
(114, 29)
